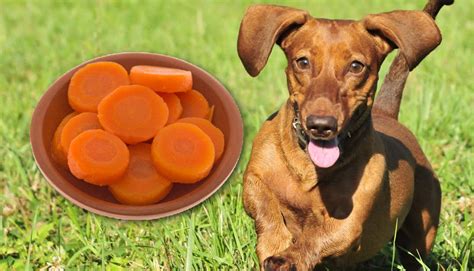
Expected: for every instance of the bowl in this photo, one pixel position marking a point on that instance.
(53, 107)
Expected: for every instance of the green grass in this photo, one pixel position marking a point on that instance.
(40, 40)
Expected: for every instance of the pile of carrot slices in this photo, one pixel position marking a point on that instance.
(137, 133)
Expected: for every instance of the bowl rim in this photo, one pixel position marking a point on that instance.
(80, 198)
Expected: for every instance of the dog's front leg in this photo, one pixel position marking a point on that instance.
(316, 245)
(262, 205)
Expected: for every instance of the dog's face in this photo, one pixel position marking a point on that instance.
(332, 70)
(333, 65)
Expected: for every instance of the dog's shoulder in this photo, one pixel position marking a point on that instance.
(266, 141)
(266, 156)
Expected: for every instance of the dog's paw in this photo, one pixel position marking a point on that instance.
(278, 263)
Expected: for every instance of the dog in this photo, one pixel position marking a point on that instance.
(333, 176)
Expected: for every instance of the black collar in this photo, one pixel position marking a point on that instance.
(303, 138)
(362, 117)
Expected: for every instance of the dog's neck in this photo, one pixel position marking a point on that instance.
(352, 145)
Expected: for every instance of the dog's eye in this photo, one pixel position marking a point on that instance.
(356, 67)
(302, 63)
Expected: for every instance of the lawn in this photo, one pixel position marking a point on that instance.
(40, 40)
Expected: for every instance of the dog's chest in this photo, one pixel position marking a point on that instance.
(330, 199)
(347, 192)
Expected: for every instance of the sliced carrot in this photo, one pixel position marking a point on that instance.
(56, 150)
(141, 184)
(90, 84)
(183, 153)
(212, 131)
(194, 104)
(75, 126)
(174, 106)
(210, 115)
(98, 157)
(134, 113)
(162, 79)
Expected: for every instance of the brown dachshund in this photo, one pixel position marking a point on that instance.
(332, 175)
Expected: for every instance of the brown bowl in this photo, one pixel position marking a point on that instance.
(53, 106)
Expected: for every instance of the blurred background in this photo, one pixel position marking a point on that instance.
(40, 40)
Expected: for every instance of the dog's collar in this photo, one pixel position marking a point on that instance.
(298, 128)
(303, 138)
(363, 120)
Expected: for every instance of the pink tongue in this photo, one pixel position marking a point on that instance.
(324, 154)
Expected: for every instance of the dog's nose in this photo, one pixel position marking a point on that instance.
(321, 126)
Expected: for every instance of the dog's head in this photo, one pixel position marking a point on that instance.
(333, 65)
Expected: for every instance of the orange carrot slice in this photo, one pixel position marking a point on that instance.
(174, 106)
(134, 113)
(141, 184)
(212, 131)
(98, 157)
(90, 84)
(75, 126)
(162, 79)
(210, 115)
(56, 150)
(183, 153)
(194, 104)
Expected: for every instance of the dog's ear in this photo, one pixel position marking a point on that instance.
(262, 27)
(414, 32)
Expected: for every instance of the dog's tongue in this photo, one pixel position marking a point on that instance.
(324, 154)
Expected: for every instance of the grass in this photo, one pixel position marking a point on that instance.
(40, 40)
